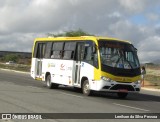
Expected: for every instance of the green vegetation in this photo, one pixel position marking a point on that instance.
(10, 57)
(74, 33)
(19, 63)
(16, 59)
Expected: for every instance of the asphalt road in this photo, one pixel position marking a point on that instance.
(19, 93)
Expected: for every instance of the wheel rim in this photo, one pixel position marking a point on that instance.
(86, 88)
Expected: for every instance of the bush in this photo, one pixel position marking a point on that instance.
(11, 57)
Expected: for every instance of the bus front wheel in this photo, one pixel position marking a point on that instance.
(86, 89)
(50, 84)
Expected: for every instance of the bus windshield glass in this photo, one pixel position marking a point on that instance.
(118, 55)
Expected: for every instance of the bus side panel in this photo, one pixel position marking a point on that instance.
(60, 70)
(87, 71)
(34, 68)
(66, 70)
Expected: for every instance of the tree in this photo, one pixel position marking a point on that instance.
(11, 57)
(72, 33)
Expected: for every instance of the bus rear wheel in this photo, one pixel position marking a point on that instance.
(122, 95)
(86, 89)
(50, 84)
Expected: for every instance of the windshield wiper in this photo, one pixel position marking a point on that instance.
(129, 63)
(118, 60)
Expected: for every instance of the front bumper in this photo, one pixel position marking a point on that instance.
(115, 86)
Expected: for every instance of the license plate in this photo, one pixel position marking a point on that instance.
(123, 90)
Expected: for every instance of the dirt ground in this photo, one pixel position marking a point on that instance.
(147, 84)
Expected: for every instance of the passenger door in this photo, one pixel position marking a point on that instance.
(41, 47)
(79, 57)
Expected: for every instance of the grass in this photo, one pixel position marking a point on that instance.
(153, 76)
(19, 67)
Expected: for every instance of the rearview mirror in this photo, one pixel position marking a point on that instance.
(136, 49)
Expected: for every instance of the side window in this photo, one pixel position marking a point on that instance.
(48, 49)
(69, 50)
(68, 54)
(79, 52)
(90, 54)
(57, 50)
(35, 50)
(40, 49)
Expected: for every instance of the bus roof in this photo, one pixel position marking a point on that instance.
(80, 38)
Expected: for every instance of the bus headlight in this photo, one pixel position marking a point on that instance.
(105, 79)
(138, 82)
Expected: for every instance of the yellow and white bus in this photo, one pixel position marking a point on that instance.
(89, 63)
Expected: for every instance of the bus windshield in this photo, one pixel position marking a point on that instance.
(118, 55)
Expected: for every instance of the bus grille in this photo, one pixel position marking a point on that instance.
(106, 87)
(122, 87)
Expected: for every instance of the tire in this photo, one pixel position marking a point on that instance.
(49, 84)
(86, 89)
(122, 95)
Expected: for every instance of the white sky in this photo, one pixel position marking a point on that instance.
(135, 20)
